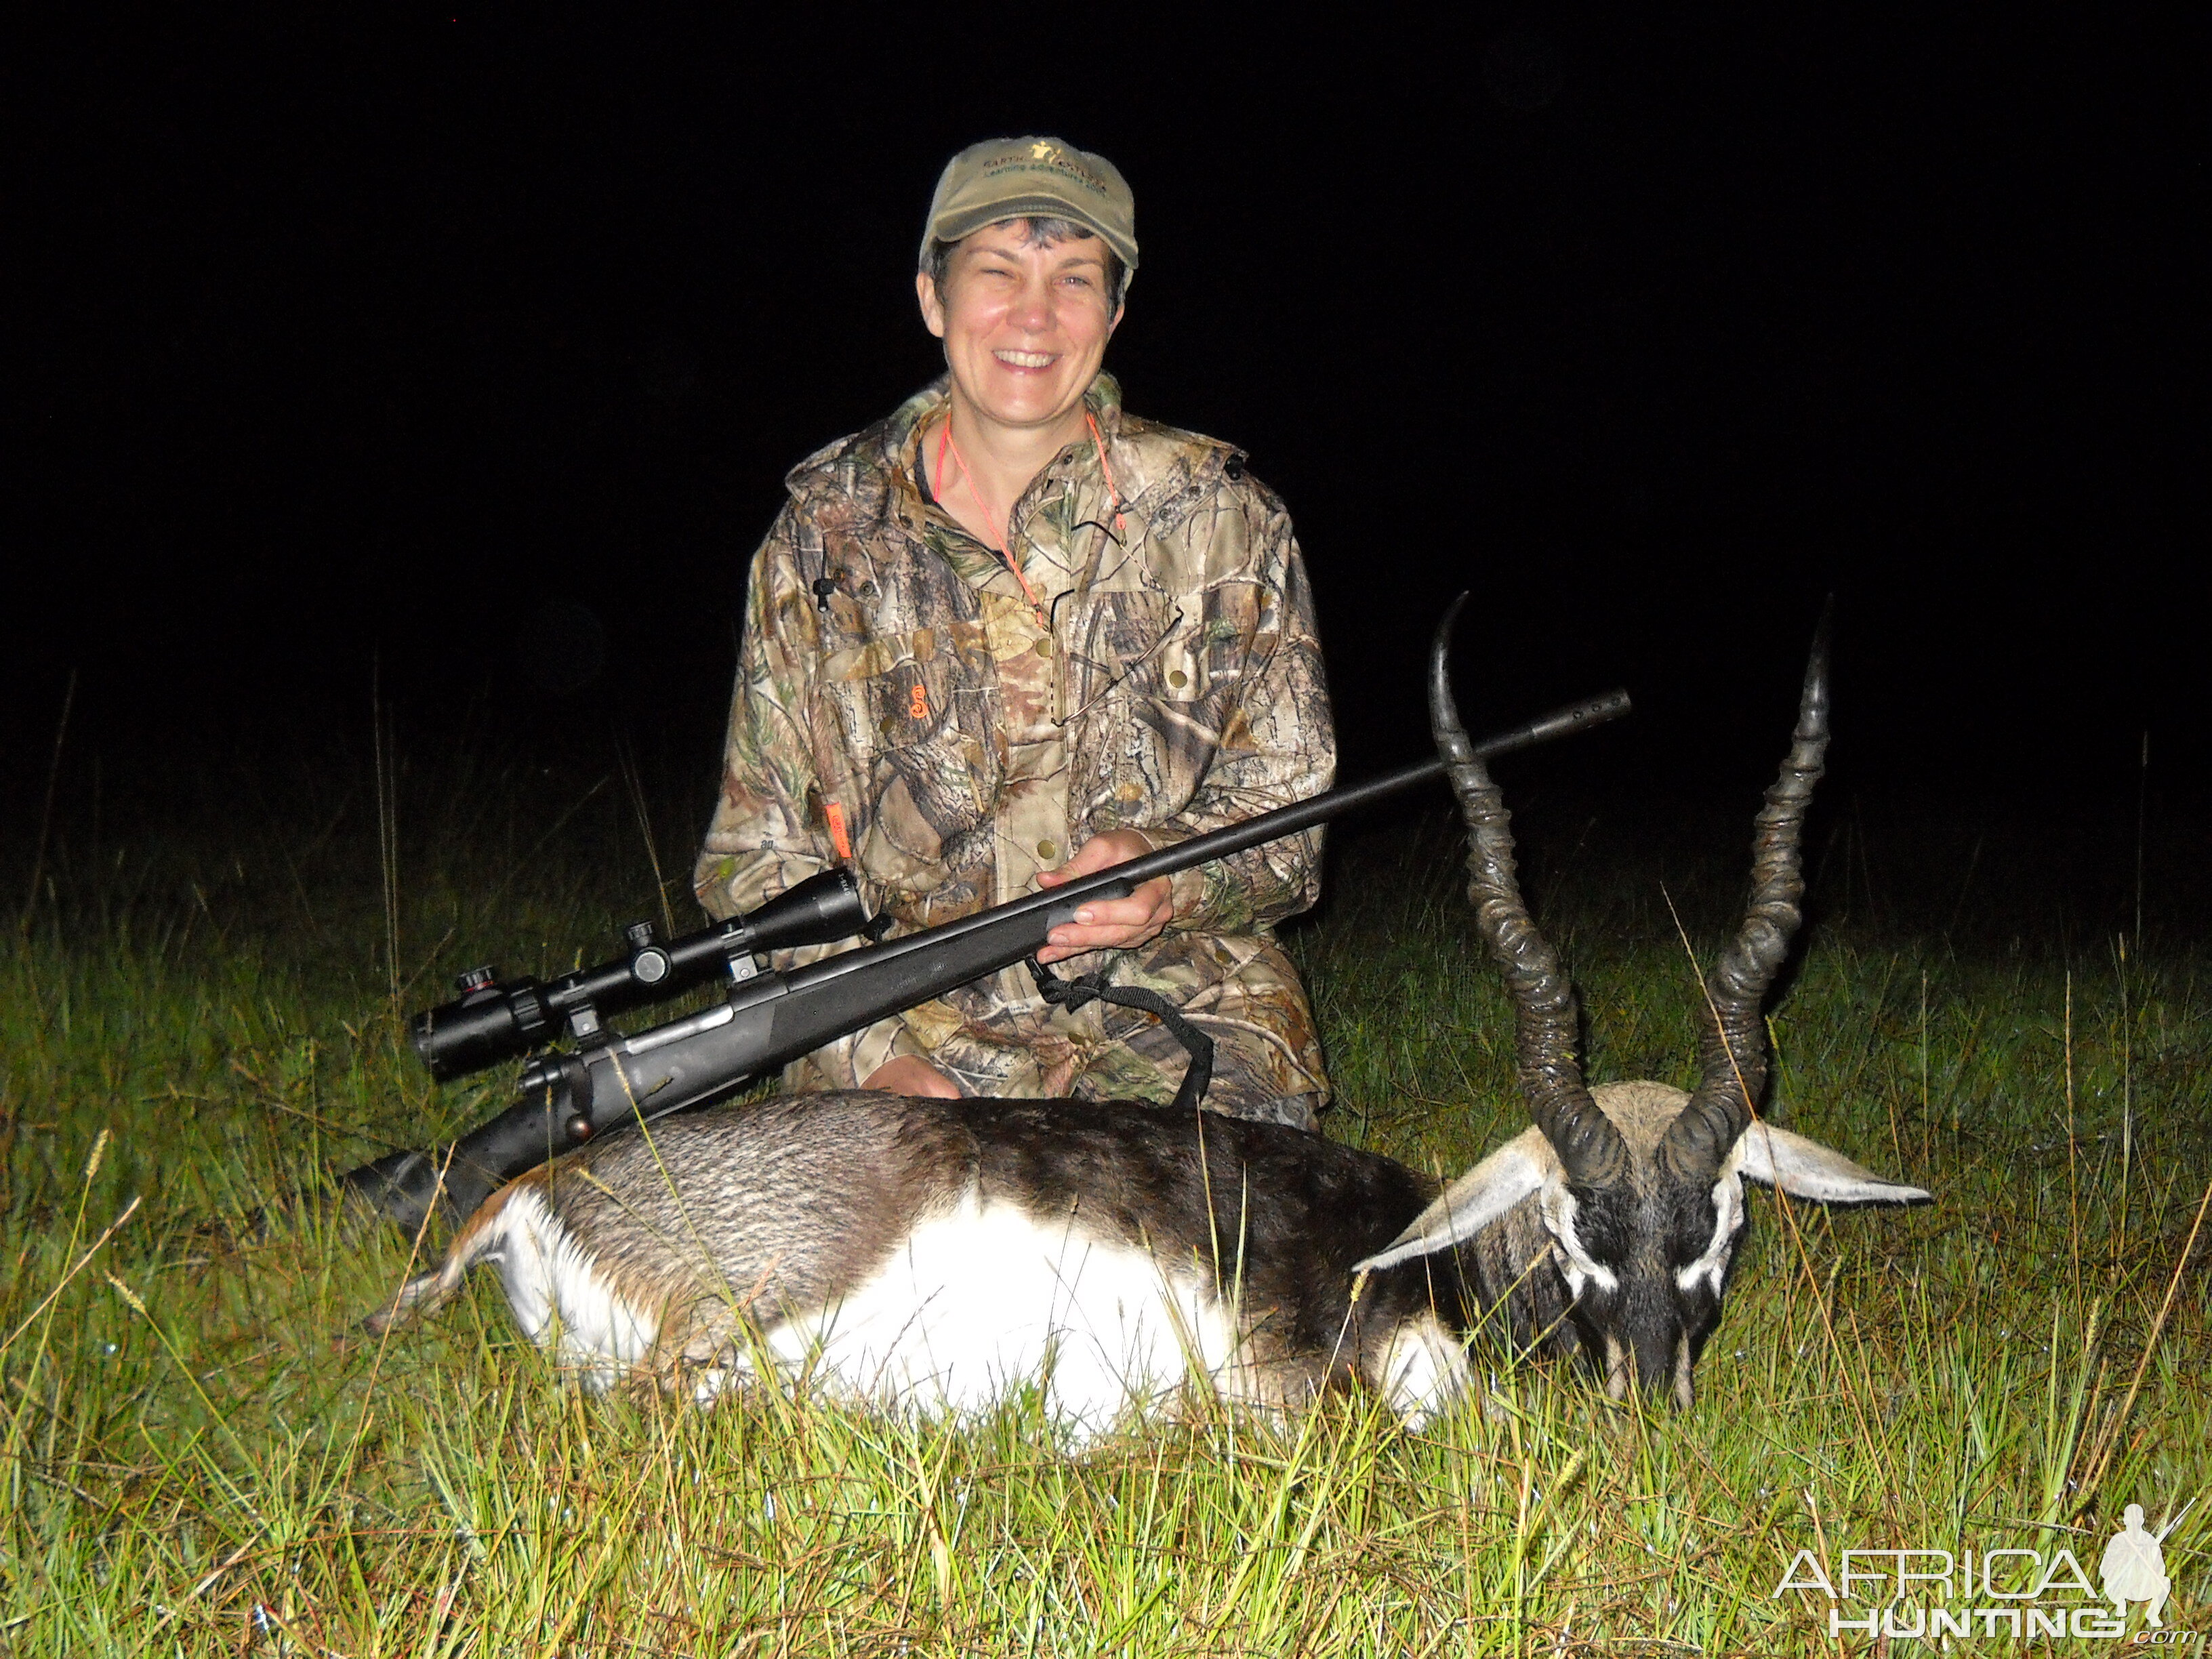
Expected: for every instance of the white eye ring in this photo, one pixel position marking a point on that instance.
(1727, 1222)
(1558, 1207)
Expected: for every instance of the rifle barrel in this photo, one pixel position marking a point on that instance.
(1120, 880)
(1333, 803)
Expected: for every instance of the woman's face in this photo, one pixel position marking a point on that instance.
(1025, 327)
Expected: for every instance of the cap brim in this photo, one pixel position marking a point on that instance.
(953, 226)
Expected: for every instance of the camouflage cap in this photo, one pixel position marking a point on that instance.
(1032, 178)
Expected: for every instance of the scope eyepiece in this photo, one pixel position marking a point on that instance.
(495, 1019)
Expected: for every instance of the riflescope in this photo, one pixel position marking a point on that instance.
(495, 1019)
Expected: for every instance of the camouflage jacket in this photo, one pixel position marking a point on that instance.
(895, 682)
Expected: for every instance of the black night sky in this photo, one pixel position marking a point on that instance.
(474, 345)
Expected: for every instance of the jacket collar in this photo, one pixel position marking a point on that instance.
(887, 447)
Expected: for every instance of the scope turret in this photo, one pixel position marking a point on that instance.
(494, 1019)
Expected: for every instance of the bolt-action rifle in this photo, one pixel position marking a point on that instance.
(607, 1078)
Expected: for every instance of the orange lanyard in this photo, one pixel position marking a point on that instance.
(937, 487)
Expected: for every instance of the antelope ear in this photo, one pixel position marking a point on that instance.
(1805, 1169)
(1478, 1198)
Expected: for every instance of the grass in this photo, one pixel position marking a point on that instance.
(201, 1455)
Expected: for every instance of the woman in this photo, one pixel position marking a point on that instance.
(1012, 635)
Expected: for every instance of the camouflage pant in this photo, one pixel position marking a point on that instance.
(999, 1037)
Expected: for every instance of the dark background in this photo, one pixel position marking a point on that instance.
(465, 351)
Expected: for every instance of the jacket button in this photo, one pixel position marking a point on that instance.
(1178, 678)
(1043, 647)
(1047, 849)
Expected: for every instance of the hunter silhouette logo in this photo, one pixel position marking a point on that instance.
(2134, 1569)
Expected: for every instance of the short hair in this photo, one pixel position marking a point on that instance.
(1043, 233)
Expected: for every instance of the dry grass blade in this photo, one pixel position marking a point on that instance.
(1781, 1199)
(2102, 1461)
(75, 1267)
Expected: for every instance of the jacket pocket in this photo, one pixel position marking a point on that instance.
(1146, 738)
(1136, 646)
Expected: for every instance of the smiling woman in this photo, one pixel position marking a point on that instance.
(1011, 636)
(1025, 307)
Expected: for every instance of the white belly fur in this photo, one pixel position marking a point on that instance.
(986, 1298)
(975, 1302)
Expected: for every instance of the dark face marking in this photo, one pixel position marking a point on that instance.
(1649, 1270)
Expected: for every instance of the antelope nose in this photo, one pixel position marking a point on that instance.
(1654, 1362)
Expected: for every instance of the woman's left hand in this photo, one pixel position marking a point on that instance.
(1109, 924)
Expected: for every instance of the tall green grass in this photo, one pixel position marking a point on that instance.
(201, 1455)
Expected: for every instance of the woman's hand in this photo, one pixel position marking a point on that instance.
(908, 1075)
(1101, 925)
(1109, 924)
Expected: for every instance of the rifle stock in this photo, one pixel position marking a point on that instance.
(773, 1018)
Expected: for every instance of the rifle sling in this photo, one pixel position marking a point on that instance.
(1074, 994)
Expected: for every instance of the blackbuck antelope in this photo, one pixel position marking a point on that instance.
(933, 1254)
